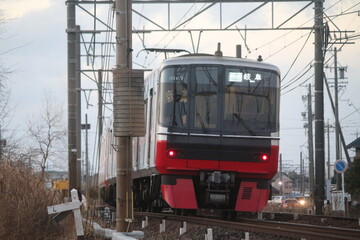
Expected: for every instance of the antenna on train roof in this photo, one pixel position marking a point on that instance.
(218, 52)
(238, 51)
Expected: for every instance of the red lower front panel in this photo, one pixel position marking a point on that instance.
(177, 165)
(180, 195)
(250, 198)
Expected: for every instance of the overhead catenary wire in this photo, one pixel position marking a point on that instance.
(297, 56)
(285, 34)
(294, 80)
(297, 79)
(174, 37)
(105, 64)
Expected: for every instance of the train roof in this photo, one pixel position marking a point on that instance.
(211, 59)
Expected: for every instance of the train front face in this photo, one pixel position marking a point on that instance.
(218, 133)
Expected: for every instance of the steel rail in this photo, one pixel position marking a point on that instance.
(283, 229)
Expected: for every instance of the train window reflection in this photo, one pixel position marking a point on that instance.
(206, 97)
(174, 96)
(249, 100)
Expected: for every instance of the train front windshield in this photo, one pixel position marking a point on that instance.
(219, 99)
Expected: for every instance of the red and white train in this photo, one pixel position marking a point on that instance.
(212, 136)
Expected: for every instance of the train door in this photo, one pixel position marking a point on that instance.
(204, 141)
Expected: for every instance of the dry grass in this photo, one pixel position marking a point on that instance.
(23, 205)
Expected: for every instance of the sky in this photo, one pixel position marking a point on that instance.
(33, 43)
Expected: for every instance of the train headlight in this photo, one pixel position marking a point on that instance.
(171, 153)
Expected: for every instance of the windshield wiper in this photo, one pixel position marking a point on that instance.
(201, 122)
(240, 120)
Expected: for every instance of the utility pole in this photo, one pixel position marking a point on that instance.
(310, 145)
(86, 126)
(100, 127)
(129, 121)
(337, 143)
(78, 109)
(122, 142)
(281, 181)
(340, 131)
(302, 173)
(328, 139)
(319, 195)
(72, 67)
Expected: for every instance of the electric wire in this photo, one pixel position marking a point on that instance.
(297, 56)
(185, 24)
(287, 33)
(298, 78)
(104, 64)
(286, 46)
(280, 37)
(292, 82)
(298, 85)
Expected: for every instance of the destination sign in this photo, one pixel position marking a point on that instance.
(240, 77)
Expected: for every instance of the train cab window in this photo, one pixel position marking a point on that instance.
(174, 96)
(249, 104)
(206, 97)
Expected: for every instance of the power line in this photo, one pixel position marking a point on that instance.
(297, 56)
(282, 36)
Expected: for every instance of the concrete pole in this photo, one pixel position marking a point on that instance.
(100, 127)
(337, 142)
(78, 110)
(319, 109)
(71, 68)
(340, 131)
(87, 185)
(311, 145)
(302, 173)
(328, 139)
(281, 179)
(124, 201)
(129, 190)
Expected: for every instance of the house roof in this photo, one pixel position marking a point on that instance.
(354, 144)
(284, 176)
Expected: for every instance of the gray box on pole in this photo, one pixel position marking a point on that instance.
(128, 103)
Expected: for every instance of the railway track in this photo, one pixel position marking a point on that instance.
(274, 228)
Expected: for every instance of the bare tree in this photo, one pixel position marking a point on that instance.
(47, 131)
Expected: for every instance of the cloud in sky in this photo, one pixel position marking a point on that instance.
(19, 8)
